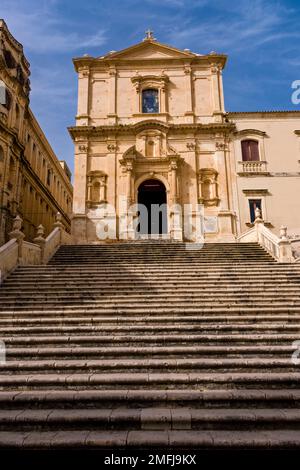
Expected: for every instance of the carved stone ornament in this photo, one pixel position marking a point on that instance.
(150, 81)
(96, 188)
(191, 145)
(112, 147)
(208, 187)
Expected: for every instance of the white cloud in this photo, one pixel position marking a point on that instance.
(41, 30)
(236, 26)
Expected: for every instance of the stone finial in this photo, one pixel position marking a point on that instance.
(257, 212)
(58, 217)
(17, 229)
(258, 217)
(40, 240)
(17, 223)
(283, 233)
(58, 221)
(40, 232)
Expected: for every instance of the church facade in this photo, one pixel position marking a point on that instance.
(151, 128)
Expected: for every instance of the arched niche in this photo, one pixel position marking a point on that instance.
(208, 187)
(96, 188)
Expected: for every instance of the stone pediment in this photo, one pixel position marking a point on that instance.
(150, 49)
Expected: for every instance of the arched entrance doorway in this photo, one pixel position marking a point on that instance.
(153, 217)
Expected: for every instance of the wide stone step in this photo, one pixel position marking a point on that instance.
(279, 439)
(151, 298)
(158, 328)
(152, 338)
(181, 292)
(154, 418)
(212, 268)
(77, 311)
(161, 328)
(69, 322)
(156, 303)
(144, 380)
(151, 310)
(148, 365)
(129, 397)
(207, 351)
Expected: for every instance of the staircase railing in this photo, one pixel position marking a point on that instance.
(17, 251)
(279, 247)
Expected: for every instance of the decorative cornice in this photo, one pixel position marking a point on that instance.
(250, 132)
(256, 191)
(142, 81)
(80, 131)
(274, 113)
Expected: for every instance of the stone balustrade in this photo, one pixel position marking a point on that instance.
(279, 247)
(18, 252)
(253, 167)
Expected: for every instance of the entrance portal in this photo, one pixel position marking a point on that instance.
(152, 194)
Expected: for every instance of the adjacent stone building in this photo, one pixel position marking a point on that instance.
(151, 127)
(33, 182)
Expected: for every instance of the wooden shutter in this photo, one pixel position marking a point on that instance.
(250, 150)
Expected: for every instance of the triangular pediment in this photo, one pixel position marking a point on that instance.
(150, 49)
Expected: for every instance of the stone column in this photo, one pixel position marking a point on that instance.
(83, 96)
(188, 95)
(174, 193)
(80, 193)
(89, 188)
(112, 111)
(215, 70)
(129, 169)
(175, 211)
(226, 215)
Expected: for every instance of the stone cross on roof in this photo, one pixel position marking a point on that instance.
(149, 34)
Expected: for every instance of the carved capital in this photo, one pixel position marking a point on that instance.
(112, 147)
(191, 145)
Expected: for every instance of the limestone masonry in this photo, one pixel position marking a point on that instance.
(34, 184)
(153, 116)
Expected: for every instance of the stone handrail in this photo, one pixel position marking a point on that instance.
(9, 255)
(279, 247)
(31, 253)
(18, 252)
(296, 249)
(52, 243)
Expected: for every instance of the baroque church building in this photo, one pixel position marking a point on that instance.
(151, 128)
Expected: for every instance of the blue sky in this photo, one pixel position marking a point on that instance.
(261, 38)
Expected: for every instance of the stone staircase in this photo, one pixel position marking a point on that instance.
(151, 344)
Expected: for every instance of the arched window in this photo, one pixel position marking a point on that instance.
(250, 150)
(150, 102)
